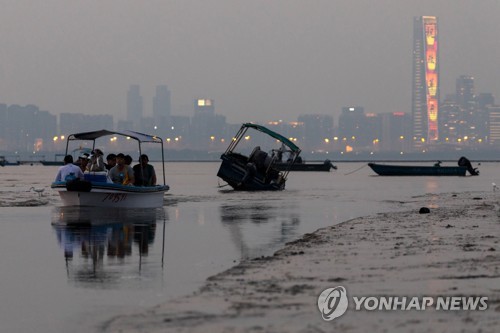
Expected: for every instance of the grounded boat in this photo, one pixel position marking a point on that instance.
(256, 171)
(97, 191)
(464, 165)
(307, 166)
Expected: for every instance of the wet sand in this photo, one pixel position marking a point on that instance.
(452, 251)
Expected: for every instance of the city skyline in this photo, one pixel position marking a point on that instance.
(468, 119)
(280, 58)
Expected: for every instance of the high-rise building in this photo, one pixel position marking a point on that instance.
(203, 123)
(494, 125)
(317, 129)
(395, 132)
(425, 95)
(465, 91)
(161, 105)
(134, 106)
(358, 129)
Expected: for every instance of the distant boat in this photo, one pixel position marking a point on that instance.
(464, 165)
(5, 162)
(58, 160)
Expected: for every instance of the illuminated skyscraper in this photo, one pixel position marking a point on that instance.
(425, 99)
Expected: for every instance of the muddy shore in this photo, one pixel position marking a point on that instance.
(452, 251)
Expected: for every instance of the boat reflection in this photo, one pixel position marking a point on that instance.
(105, 245)
(267, 227)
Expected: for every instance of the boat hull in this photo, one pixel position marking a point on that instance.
(325, 166)
(408, 170)
(52, 163)
(112, 195)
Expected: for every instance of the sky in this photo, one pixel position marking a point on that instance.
(260, 60)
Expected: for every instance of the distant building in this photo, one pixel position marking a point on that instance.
(134, 106)
(162, 108)
(494, 125)
(317, 129)
(207, 128)
(450, 121)
(396, 132)
(425, 92)
(27, 128)
(464, 116)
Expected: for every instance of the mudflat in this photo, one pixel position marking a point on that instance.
(452, 251)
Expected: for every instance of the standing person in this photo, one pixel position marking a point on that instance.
(96, 161)
(121, 173)
(68, 171)
(144, 173)
(110, 161)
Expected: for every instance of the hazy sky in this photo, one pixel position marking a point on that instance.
(260, 60)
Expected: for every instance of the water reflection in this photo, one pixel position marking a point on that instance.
(259, 228)
(105, 245)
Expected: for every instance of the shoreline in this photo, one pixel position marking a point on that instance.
(452, 251)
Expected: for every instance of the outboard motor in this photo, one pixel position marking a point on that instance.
(464, 162)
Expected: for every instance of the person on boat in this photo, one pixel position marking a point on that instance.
(121, 173)
(68, 171)
(128, 160)
(144, 173)
(83, 161)
(110, 161)
(278, 153)
(96, 161)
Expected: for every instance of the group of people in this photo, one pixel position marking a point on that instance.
(118, 168)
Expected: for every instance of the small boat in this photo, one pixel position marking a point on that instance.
(256, 171)
(58, 160)
(96, 191)
(307, 166)
(5, 162)
(464, 165)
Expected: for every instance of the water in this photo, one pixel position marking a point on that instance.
(60, 278)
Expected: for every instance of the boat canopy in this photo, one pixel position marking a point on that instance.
(141, 137)
(275, 135)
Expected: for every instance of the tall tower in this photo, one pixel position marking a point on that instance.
(161, 104)
(425, 96)
(134, 106)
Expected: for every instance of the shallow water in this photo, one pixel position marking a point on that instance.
(57, 277)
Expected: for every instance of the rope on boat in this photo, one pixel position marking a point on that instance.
(345, 174)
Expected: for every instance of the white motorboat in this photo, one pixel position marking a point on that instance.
(97, 191)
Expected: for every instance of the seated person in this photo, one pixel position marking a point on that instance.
(110, 161)
(144, 173)
(121, 173)
(96, 161)
(83, 161)
(68, 171)
(261, 160)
